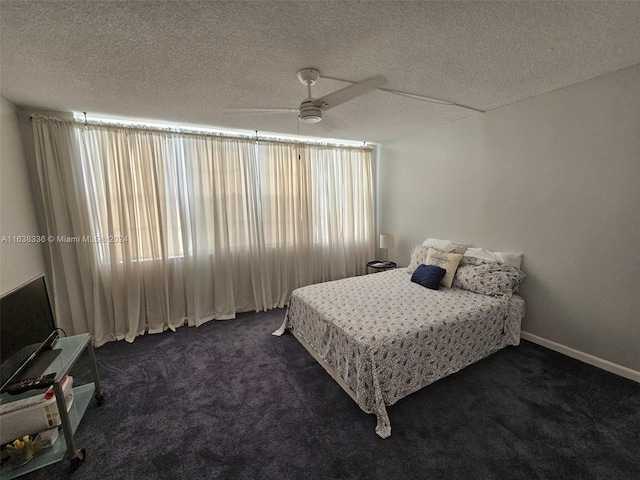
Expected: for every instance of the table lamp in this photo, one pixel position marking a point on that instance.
(386, 242)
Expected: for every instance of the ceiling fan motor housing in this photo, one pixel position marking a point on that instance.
(309, 112)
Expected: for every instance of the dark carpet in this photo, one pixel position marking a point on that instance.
(228, 400)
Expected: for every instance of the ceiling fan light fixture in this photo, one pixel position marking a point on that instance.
(310, 118)
(309, 112)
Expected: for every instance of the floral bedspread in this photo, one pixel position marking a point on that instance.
(388, 337)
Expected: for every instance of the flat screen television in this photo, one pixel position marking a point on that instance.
(27, 328)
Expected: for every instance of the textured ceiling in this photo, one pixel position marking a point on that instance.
(186, 61)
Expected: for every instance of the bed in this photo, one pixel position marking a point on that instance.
(382, 336)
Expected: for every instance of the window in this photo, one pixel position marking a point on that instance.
(191, 226)
(169, 194)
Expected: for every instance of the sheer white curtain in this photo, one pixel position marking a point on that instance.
(341, 211)
(171, 227)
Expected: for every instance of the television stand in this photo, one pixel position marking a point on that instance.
(70, 350)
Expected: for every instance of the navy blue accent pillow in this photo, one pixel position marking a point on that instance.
(428, 276)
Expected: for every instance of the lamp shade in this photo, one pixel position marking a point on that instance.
(386, 240)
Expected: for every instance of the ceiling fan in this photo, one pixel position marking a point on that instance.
(311, 109)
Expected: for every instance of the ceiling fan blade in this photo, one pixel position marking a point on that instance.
(430, 99)
(414, 96)
(348, 93)
(259, 111)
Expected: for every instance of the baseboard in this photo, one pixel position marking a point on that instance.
(584, 357)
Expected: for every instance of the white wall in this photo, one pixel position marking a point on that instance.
(556, 177)
(19, 262)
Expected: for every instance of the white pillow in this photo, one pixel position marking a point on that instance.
(445, 245)
(513, 259)
(448, 261)
(418, 256)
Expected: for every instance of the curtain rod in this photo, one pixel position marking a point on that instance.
(198, 133)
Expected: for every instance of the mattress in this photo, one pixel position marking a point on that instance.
(387, 337)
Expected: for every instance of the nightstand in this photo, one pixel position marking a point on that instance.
(380, 265)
